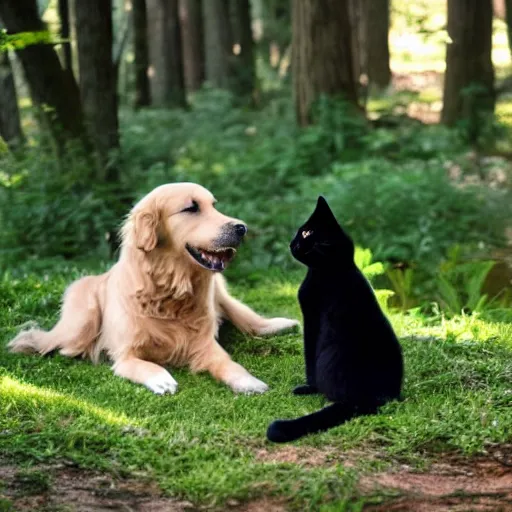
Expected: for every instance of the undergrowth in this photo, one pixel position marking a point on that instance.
(389, 187)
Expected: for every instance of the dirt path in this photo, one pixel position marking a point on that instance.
(453, 484)
(60, 487)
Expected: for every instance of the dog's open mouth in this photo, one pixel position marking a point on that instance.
(212, 260)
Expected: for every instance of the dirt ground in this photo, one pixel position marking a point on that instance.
(453, 484)
(456, 485)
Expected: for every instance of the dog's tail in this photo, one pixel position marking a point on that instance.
(77, 330)
(283, 431)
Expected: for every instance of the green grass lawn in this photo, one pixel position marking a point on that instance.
(207, 445)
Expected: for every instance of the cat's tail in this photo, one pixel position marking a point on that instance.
(283, 431)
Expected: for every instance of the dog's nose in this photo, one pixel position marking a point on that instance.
(240, 229)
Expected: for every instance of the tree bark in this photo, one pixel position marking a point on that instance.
(218, 43)
(357, 15)
(166, 70)
(97, 76)
(508, 19)
(141, 51)
(321, 53)
(65, 34)
(50, 86)
(245, 71)
(377, 43)
(468, 60)
(192, 35)
(10, 126)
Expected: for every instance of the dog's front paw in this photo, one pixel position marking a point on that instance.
(161, 383)
(279, 325)
(248, 385)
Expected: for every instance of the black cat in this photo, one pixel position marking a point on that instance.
(353, 357)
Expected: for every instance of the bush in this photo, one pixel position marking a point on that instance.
(387, 187)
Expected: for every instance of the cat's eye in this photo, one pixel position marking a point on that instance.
(305, 234)
(192, 209)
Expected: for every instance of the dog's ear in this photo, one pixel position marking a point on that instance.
(145, 227)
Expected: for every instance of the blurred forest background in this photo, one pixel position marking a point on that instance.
(399, 112)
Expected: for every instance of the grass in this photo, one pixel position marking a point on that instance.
(206, 444)
(203, 444)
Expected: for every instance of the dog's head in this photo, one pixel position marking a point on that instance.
(181, 220)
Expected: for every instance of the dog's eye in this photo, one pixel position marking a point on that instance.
(305, 234)
(192, 209)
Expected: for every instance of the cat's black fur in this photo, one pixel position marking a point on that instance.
(352, 355)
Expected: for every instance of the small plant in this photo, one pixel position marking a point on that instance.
(363, 259)
(31, 482)
(372, 269)
(402, 284)
(460, 284)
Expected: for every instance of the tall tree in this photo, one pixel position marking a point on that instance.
(49, 85)
(65, 34)
(468, 61)
(141, 51)
(10, 126)
(245, 71)
(218, 43)
(166, 70)
(322, 54)
(377, 42)
(97, 77)
(357, 10)
(508, 18)
(192, 34)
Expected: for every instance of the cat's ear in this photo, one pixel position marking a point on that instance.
(321, 203)
(322, 207)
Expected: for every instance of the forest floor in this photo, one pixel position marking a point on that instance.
(75, 437)
(451, 484)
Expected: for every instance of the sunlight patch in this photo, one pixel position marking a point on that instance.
(11, 388)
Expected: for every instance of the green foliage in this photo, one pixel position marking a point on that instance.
(364, 260)
(388, 187)
(460, 284)
(21, 40)
(371, 270)
(402, 284)
(411, 212)
(46, 210)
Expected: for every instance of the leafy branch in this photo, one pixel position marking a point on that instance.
(23, 39)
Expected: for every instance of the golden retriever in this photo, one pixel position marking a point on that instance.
(162, 302)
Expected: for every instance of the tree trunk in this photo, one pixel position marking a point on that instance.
(218, 43)
(468, 61)
(49, 85)
(65, 34)
(245, 71)
(97, 76)
(499, 8)
(357, 15)
(321, 53)
(191, 16)
(10, 126)
(166, 70)
(141, 51)
(508, 18)
(377, 43)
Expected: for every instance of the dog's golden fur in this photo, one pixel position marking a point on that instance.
(158, 306)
